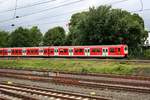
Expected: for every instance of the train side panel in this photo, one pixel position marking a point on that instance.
(68, 51)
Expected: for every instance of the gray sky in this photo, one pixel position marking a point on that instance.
(52, 13)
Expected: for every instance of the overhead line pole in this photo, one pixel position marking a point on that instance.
(15, 9)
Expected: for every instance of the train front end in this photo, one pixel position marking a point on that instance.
(126, 50)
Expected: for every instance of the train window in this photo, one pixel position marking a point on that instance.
(61, 50)
(51, 51)
(88, 50)
(1, 51)
(103, 50)
(56, 50)
(19, 51)
(41, 50)
(96, 50)
(76, 51)
(70, 50)
(111, 50)
(5, 51)
(28, 51)
(65, 50)
(9, 51)
(35, 51)
(12, 51)
(45, 51)
(106, 50)
(24, 51)
(81, 50)
(32, 51)
(118, 49)
(126, 48)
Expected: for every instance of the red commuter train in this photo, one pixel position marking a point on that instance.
(67, 51)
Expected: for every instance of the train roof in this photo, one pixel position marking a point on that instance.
(65, 46)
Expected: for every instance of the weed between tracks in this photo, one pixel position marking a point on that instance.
(79, 66)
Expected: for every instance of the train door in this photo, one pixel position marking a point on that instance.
(70, 51)
(41, 51)
(24, 51)
(9, 52)
(105, 52)
(87, 51)
(56, 51)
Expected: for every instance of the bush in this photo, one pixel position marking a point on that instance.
(147, 53)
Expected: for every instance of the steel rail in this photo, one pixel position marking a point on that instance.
(82, 83)
(47, 92)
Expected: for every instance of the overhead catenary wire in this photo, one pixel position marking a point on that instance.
(141, 5)
(52, 22)
(58, 7)
(109, 3)
(26, 6)
(57, 22)
(39, 24)
(3, 1)
(48, 9)
(136, 11)
(73, 11)
(116, 2)
(53, 16)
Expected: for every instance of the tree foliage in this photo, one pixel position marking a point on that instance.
(19, 38)
(35, 36)
(4, 38)
(54, 36)
(23, 37)
(104, 25)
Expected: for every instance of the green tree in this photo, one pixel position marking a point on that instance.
(104, 25)
(74, 36)
(54, 36)
(35, 36)
(20, 38)
(4, 38)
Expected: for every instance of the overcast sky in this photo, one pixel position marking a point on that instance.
(52, 13)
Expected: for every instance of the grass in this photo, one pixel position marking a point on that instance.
(126, 68)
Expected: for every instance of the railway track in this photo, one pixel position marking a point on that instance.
(24, 92)
(134, 86)
(70, 74)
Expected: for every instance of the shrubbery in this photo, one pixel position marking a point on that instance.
(147, 53)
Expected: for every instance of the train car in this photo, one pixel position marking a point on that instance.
(68, 51)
